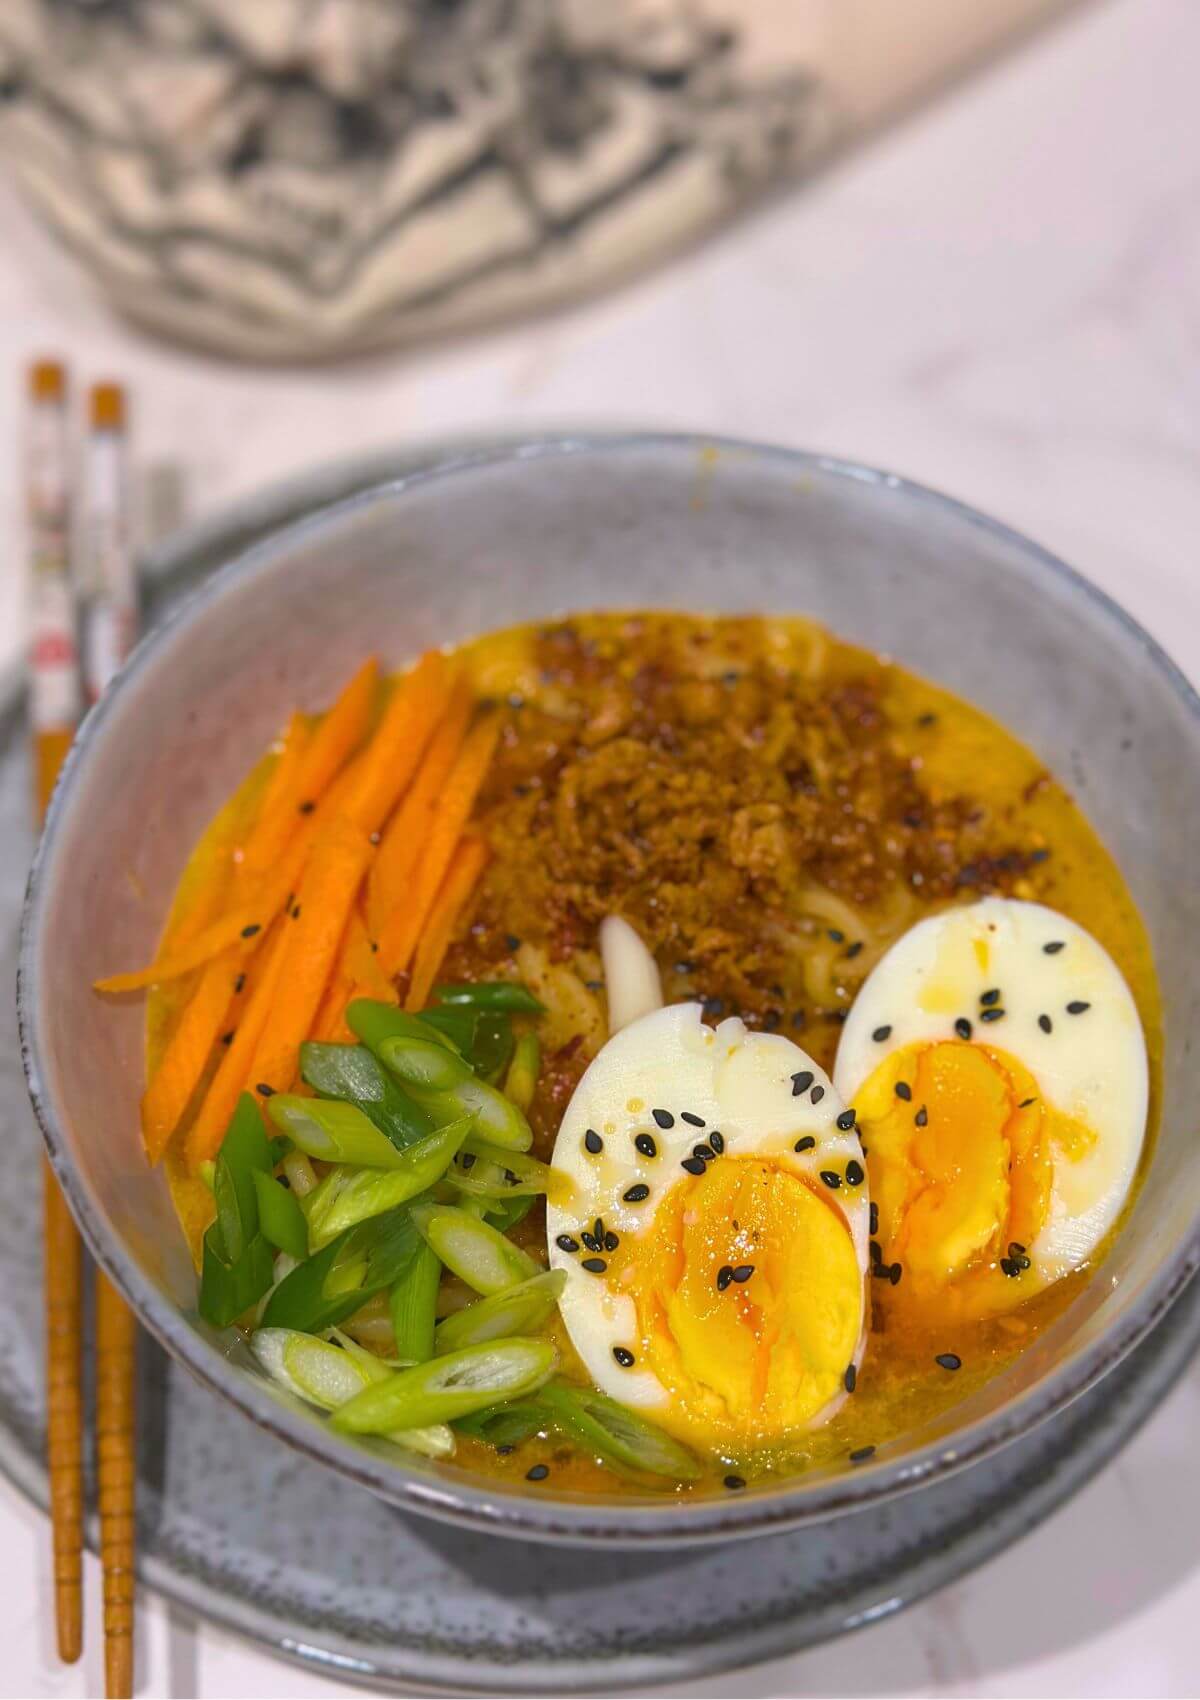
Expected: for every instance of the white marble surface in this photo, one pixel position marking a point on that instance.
(1001, 298)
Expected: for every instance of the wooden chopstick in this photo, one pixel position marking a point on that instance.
(54, 706)
(110, 629)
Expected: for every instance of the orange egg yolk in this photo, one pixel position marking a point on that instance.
(750, 1361)
(960, 1154)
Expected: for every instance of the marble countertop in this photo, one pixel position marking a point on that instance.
(1001, 298)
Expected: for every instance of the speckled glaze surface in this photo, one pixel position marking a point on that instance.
(258, 1537)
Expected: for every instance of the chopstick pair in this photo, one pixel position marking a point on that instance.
(81, 627)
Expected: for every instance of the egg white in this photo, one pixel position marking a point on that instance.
(735, 1081)
(1091, 1066)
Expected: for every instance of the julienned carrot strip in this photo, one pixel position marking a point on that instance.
(203, 1020)
(334, 740)
(208, 1130)
(417, 704)
(404, 835)
(404, 926)
(329, 1023)
(360, 959)
(250, 917)
(468, 863)
(314, 928)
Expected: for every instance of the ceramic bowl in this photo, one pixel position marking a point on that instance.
(523, 533)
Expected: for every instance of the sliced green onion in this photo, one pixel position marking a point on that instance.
(413, 1306)
(508, 995)
(301, 1176)
(521, 1081)
(337, 1281)
(280, 1218)
(473, 1249)
(506, 1425)
(426, 1066)
(330, 1376)
(449, 1387)
(231, 1286)
(333, 1132)
(370, 1192)
(508, 1173)
(517, 1310)
(617, 1434)
(237, 1264)
(505, 1213)
(484, 1038)
(354, 1075)
(376, 1022)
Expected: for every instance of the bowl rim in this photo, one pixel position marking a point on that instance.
(486, 1505)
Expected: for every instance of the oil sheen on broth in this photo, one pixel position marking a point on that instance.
(771, 808)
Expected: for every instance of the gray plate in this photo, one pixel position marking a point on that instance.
(267, 1543)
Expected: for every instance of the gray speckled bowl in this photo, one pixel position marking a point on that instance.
(522, 533)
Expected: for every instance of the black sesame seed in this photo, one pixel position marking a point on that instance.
(468, 1159)
(880, 1034)
(850, 1379)
(903, 1091)
(990, 997)
(592, 1142)
(894, 1274)
(611, 1242)
(512, 941)
(1023, 1262)
(874, 1218)
(227, 1038)
(537, 1473)
(852, 950)
(882, 1271)
(664, 1118)
(590, 1240)
(296, 913)
(743, 1272)
(714, 1006)
(724, 1277)
(801, 1082)
(835, 935)
(594, 1265)
(734, 1483)
(565, 1242)
(645, 1144)
(1025, 1103)
(623, 1357)
(1077, 1006)
(991, 1014)
(704, 1152)
(264, 1091)
(249, 932)
(963, 1027)
(506, 1448)
(717, 1141)
(1010, 1266)
(693, 1165)
(846, 1120)
(1016, 1249)
(307, 807)
(876, 1252)
(598, 1227)
(922, 1116)
(948, 1360)
(1053, 948)
(817, 1093)
(831, 1178)
(1045, 1023)
(861, 1454)
(239, 985)
(690, 1119)
(855, 1174)
(805, 1144)
(636, 1194)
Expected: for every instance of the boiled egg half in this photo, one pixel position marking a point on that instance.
(716, 1241)
(997, 1067)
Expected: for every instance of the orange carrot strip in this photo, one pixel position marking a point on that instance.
(417, 704)
(183, 1062)
(314, 931)
(208, 1130)
(468, 863)
(333, 742)
(404, 926)
(404, 836)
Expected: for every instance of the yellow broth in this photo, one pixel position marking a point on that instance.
(771, 807)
